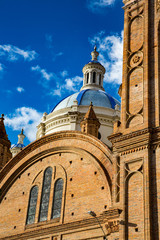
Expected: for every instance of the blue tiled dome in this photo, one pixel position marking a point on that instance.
(18, 145)
(99, 98)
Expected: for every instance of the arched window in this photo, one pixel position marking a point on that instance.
(32, 205)
(43, 213)
(99, 79)
(87, 77)
(57, 198)
(94, 77)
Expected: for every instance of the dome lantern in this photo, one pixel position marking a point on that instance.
(16, 148)
(21, 137)
(93, 73)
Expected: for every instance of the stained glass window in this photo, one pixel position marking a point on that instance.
(32, 205)
(57, 198)
(45, 194)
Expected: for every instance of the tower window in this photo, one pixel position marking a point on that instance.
(45, 194)
(94, 77)
(87, 77)
(32, 205)
(99, 79)
(57, 198)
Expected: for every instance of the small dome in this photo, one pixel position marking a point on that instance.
(99, 98)
(16, 148)
(18, 145)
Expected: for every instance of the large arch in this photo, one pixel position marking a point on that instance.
(58, 142)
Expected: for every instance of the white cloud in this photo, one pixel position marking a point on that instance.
(70, 84)
(64, 73)
(111, 55)
(55, 55)
(43, 72)
(13, 53)
(95, 5)
(56, 92)
(20, 89)
(26, 118)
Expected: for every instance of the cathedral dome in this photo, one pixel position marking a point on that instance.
(99, 98)
(70, 111)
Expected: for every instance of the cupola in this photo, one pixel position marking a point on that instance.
(93, 73)
(16, 148)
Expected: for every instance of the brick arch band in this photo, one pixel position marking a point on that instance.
(57, 143)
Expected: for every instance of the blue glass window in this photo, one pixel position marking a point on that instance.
(57, 198)
(45, 194)
(32, 205)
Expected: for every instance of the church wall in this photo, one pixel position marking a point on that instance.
(86, 188)
(134, 194)
(155, 190)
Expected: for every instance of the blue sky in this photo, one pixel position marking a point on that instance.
(44, 46)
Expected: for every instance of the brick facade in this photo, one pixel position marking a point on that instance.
(120, 185)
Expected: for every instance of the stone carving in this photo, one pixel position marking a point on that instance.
(158, 4)
(136, 59)
(112, 226)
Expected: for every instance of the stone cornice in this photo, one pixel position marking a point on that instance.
(131, 142)
(117, 137)
(92, 65)
(135, 141)
(130, 3)
(52, 228)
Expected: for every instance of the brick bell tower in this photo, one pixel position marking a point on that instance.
(136, 138)
(5, 144)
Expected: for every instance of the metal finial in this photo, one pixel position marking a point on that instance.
(22, 131)
(91, 104)
(95, 48)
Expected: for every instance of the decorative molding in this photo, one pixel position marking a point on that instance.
(130, 4)
(112, 227)
(158, 4)
(148, 138)
(49, 228)
(120, 137)
(133, 150)
(62, 135)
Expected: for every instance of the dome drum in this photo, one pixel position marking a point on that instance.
(69, 112)
(69, 118)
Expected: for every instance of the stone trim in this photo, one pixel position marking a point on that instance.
(130, 4)
(56, 229)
